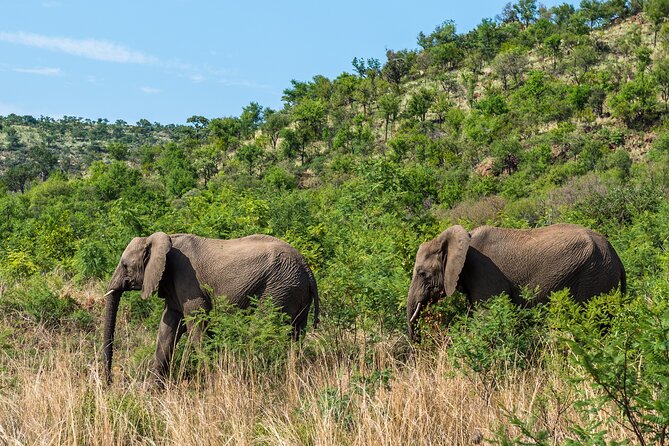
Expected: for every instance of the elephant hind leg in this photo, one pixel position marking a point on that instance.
(170, 331)
(296, 332)
(299, 324)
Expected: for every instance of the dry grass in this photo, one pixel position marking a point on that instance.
(51, 393)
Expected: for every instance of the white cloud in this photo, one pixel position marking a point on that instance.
(89, 48)
(42, 71)
(150, 90)
(197, 78)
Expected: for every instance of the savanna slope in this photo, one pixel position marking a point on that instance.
(536, 117)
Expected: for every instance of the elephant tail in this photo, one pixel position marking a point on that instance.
(313, 289)
(623, 282)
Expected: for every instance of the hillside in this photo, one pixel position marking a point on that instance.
(538, 116)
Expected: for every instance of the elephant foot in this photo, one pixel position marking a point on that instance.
(158, 377)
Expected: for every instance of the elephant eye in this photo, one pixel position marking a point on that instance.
(422, 273)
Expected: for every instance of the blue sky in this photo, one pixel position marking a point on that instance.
(167, 60)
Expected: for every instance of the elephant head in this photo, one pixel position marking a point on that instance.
(438, 266)
(141, 267)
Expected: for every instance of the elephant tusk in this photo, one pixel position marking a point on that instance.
(415, 313)
(108, 293)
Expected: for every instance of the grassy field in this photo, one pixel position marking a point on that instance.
(332, 388)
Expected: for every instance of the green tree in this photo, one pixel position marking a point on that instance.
(14, 142)
(441, 106)
(527, 11)
(488, 37)
(562, 14)
(643, 59)
(299, 91)
(367, 69)
(250, 120)
(16, 177)
(657, 11)
(593, 11)
(177, 170)
(443, 33)
(628, 364)
(389, 110)
(553, 48)
(42, 161)
(579, 96)
(310, 118)
(344, 88)
(443, 45)
(290, 144)
(508, 14)
(275, 122)
(250, 154)
(207, 158)
(617, 9)
(510, 64)
(419, 104)
(396, 68)
(200, 124)
(225, 134)
(118, 150)
(580, 61)
(635, 100)
(660, 74)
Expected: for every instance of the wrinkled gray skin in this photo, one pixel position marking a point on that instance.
(183, 269)
(490, 261)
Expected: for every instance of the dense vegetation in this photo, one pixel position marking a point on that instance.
(536, 117)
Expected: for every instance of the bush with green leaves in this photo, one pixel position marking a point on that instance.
(93, 259)
(39, 302)
(635, 100)
(627, 364)
(498, 337)
(259, 335)
(17, 265)
(618, 352)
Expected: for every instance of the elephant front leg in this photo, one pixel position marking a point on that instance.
(196, 325)
(171, 329)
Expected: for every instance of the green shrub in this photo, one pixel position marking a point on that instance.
(17, 265)
(138, 310)
(337, 406)
(498, 337)
(623, 351)
(618, 204)
(35, 299)
(517, 186)
(620, 162)
(438, 317)
(258, 335)
(93, 259)
(279, 178)
(661, 143)
(635, 100)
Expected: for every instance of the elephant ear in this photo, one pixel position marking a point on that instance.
(455, 241)
(155, 258)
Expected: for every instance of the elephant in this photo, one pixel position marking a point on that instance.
(489, 261)
(188, 271)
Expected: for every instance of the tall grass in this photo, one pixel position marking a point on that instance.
(353, 393)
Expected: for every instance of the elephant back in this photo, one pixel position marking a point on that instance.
(256, 265)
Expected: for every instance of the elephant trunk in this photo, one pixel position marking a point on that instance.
(113, 299)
